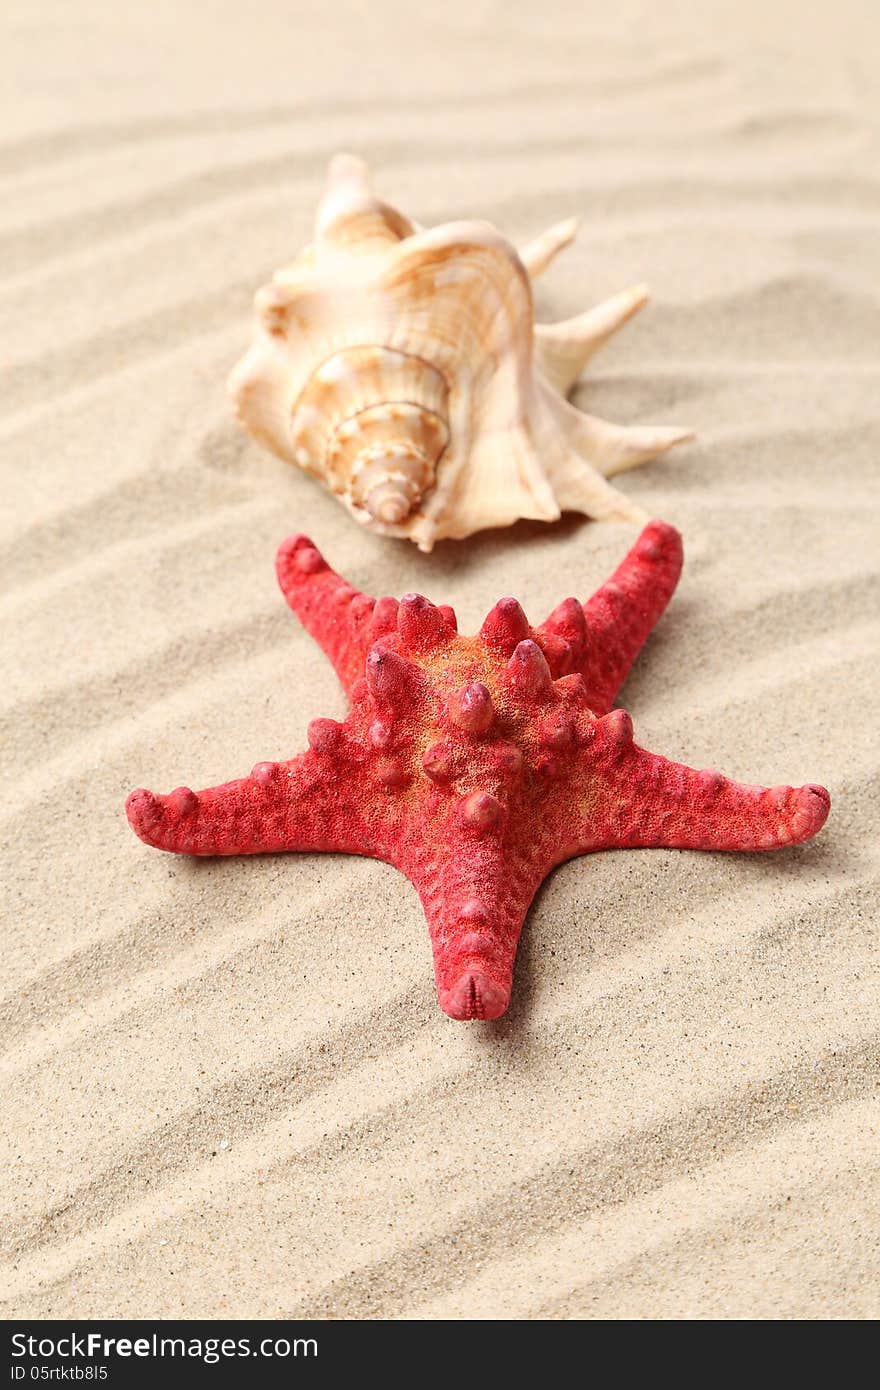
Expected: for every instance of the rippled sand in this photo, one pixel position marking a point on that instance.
(227, 1087)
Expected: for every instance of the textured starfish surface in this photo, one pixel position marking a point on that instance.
(477, 764)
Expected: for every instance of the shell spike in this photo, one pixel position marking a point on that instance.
(538, 254)
(564, 349)
(347, 176)
(616, 448)
(351, 214)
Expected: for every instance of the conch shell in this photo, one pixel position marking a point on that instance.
(403, 367)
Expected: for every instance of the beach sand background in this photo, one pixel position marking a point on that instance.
(227, 1086)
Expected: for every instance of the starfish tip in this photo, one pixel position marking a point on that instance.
(474, 996)
(143, 809)
(815, 803)
(660, 541)
(296, 558)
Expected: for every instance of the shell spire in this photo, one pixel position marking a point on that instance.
(402, 367)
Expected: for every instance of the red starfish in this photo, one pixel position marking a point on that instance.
(477, 764)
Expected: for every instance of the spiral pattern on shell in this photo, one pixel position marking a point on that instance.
(372, 423)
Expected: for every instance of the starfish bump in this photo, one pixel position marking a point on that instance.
(476, 765)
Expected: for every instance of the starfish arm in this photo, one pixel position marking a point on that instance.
(476, 890)
(652, 801)
(343, 621)
(602, 638)
(297, 805)
(622, 613)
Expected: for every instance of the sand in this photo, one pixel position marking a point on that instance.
(227, 1086)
